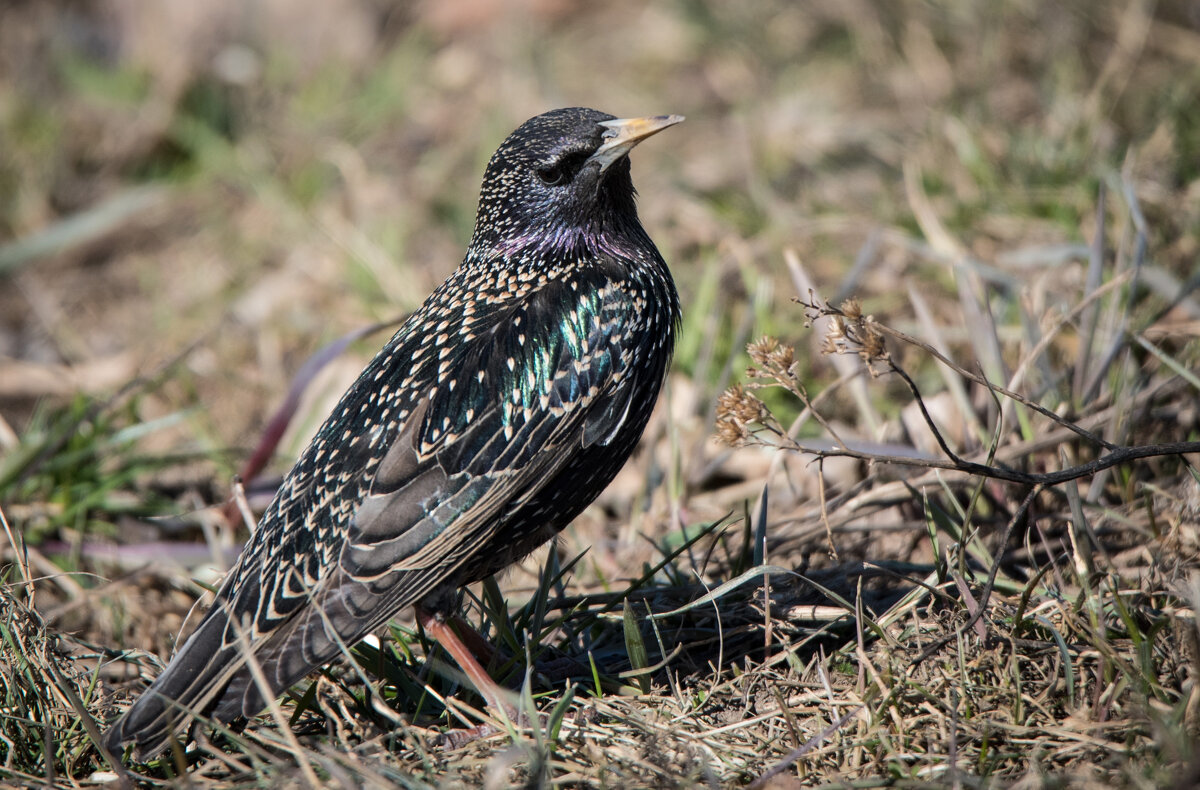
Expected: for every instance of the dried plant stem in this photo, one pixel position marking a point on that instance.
(988, 586)
(853, 332)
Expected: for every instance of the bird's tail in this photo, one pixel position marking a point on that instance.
(186, 689)
(209, 677)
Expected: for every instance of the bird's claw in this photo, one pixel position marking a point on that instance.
(456, 739)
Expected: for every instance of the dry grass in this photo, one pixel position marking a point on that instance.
(192, 203)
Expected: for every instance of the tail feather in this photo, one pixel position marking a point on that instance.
(185, 690)
(209, 677)
(285, 658)
(313, 637)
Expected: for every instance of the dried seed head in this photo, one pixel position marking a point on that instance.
(784, 358)
(730, 433)
(760, 350)
(850, 332)
(872, 342)
(775, 359)
(834, 341)
(737, 409)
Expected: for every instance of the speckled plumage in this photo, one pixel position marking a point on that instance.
(494, 416)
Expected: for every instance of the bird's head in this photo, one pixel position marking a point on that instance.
(560, 181)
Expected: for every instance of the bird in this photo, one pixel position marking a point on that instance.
(496, 413)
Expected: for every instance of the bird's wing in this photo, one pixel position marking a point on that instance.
(544, 385)
(529, 393)
(509, 403)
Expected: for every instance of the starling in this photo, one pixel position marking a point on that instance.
(496, 413)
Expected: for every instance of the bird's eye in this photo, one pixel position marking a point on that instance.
(552, 175)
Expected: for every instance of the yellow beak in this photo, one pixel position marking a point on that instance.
(622, 134)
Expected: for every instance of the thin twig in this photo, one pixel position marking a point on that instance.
(827, 309)
(803, 749)
(1117, 457)
(986, 593)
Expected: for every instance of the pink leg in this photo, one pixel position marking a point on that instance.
(491, 692)
(472, 639)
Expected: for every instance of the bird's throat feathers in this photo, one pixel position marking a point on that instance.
(560, 243)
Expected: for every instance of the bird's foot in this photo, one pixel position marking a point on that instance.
(456, 739)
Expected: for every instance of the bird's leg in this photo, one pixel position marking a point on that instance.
(491, 692)
(553, 670)
(474, 641)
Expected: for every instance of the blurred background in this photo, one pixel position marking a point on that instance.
(246, 181)
(196, 197)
